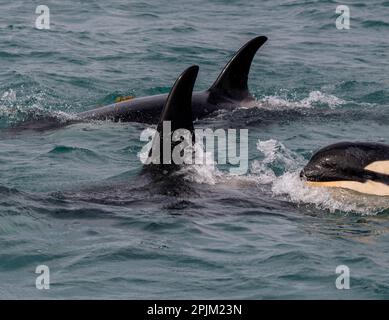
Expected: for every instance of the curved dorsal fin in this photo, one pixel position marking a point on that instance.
(178, 112)
(178, 105)
(232, 81)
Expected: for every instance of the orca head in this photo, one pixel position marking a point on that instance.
(332, 163)
(363, 167)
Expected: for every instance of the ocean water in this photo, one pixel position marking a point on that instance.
(72, 199)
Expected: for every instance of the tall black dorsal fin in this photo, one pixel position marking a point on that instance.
(232, 81)
(178, 107)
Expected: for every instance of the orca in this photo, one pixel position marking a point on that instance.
(229, 91)
(358, 166)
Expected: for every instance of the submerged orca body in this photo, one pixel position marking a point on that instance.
(362, 167)
(229, 90)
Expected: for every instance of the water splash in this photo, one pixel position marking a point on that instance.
(18, 107)
(315, 98)
(203, 173)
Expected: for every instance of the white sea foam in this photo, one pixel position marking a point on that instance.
(314, 98)
(9, 95)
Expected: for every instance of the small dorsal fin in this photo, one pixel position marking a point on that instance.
(178, 111)
(232, 81)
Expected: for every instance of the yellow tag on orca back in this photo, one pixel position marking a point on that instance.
(123, 98)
